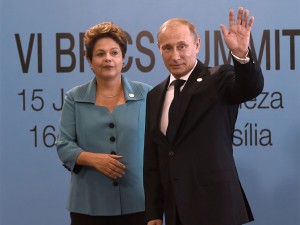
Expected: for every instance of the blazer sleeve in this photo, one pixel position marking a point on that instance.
(66, 142)
(152, 183)
(246, 81)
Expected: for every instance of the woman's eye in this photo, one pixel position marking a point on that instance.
(100, 54)
(115, 53)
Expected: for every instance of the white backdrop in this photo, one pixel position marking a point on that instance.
(42, 57)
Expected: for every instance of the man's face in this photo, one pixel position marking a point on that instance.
(178, 48)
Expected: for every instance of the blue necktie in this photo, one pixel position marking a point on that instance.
(173, 110)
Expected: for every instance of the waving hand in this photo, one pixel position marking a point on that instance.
(237, 38)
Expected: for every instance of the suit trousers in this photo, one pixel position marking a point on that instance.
(178, 221)
(127, 219)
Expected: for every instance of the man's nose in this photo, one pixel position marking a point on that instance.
(175, 54)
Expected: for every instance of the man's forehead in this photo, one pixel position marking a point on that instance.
(175, 43)
(173, 25)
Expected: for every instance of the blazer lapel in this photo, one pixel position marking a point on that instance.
(195, 80)
(157, 108)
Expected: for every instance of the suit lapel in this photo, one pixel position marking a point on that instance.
(158, 106)
(161, 94)
(195, 80)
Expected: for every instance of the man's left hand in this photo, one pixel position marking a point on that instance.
(237, 38)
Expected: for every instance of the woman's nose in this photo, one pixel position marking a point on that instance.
(107, 57)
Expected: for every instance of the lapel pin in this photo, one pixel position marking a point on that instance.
(199, 79)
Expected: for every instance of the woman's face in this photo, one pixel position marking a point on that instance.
(107, 61)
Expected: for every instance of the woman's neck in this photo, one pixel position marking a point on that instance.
(110, 93)
(109, 87)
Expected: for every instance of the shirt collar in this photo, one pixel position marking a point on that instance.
(87, 92)
(185, 77)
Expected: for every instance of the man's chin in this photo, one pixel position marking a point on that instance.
(177, 73)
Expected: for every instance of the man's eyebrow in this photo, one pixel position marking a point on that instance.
(178, 43)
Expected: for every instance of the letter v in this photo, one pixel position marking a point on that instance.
(24, 62)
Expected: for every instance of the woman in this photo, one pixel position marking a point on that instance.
(101, 136)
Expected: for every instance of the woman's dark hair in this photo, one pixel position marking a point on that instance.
(105, 29)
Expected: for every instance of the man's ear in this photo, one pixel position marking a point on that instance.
(198, 43)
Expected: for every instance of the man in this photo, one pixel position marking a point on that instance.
(190, 176)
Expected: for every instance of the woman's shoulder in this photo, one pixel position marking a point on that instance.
(141, 85)
(80, 87)
(139, 89)
(80, 91)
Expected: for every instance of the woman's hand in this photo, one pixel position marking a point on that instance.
(155, 222)
(108, 164)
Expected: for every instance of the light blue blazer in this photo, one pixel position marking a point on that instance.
(87, 127)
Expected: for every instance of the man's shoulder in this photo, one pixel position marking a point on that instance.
(220, 69)
(159, 87)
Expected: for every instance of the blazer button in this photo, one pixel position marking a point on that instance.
(116, 183)
(112, 139)
(171, 153)
(111, 125)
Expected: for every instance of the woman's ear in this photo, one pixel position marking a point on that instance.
(90, 63)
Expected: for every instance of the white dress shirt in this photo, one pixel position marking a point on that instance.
(170, 94)
(168, 99)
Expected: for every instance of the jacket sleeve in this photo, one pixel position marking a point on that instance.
(66, 142)
(152, 184)
(241, 82)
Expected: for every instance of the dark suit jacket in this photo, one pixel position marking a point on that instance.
(197, 174)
